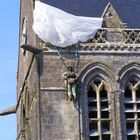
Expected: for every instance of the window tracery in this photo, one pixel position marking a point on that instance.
(132, 109)
(99, 112)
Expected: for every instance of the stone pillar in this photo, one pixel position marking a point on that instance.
(118, 108)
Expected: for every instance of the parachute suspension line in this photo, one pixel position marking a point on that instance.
(76, 56)
(77, 46)
(76, 63)
(61, 58)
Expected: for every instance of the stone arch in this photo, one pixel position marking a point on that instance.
(129, 79)
(97, 70)
(129, 71)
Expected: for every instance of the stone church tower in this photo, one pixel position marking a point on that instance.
(108, 83)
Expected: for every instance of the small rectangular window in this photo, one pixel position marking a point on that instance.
(94, 138)
(93, 114)
(105, 126)
(129, 115)
(106, 137)
(133, 137)
(130, 127)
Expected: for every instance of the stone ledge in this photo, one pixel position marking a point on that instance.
(53, 89)
(8, 111)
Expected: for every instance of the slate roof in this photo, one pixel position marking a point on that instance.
(128, 10)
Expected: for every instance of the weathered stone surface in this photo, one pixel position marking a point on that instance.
(43, 109)
(59, 117)
(8, 111)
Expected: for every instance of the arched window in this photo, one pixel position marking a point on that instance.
(97, 103)
(132, 109)
(98, 107)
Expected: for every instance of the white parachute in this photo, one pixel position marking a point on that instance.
(61, 28)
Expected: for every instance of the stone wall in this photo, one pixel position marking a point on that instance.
(27, 79)
(58, 115)
(44, 111)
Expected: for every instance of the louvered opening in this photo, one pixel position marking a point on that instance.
(99, 119)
